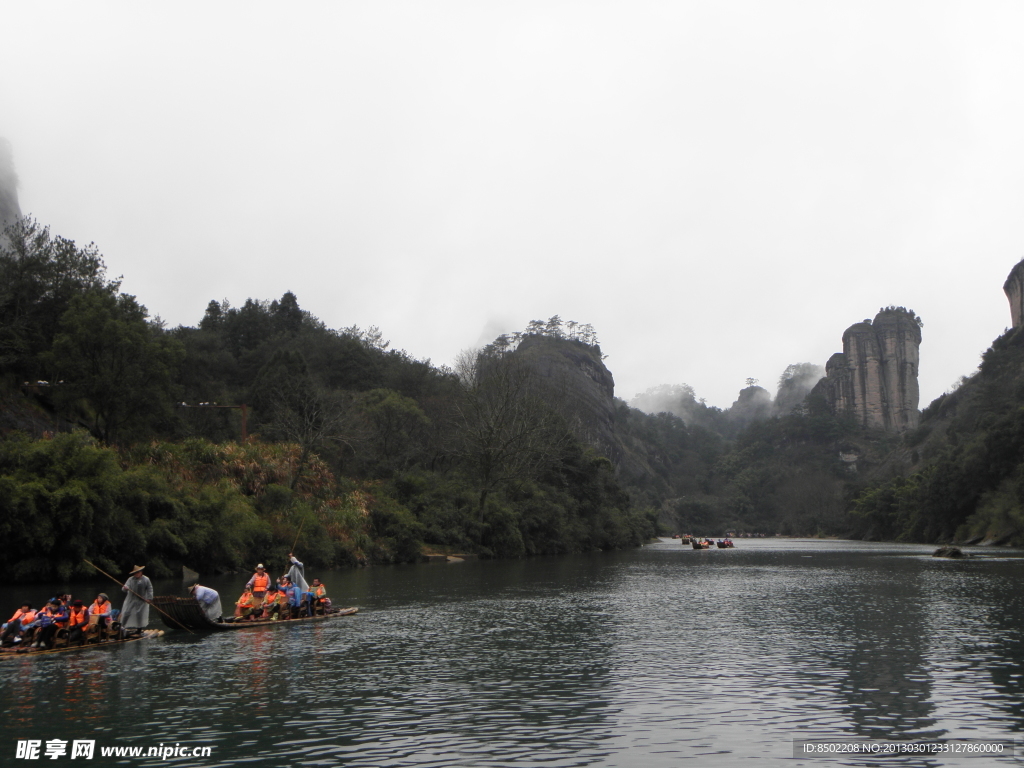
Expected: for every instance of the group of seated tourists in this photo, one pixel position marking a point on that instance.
(59, 622)
(283, 600)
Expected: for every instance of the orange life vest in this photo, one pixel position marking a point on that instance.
(101, 608)
(319, 590)
(78, 615)
(245, 600)
(25, 617)
(260, 582)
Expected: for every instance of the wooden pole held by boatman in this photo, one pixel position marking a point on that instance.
(301, 523)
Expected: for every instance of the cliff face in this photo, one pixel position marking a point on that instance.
(577, 379)
(1014, 290)
(874, 378)
(9, 209)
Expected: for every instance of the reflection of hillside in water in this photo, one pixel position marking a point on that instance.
(854, 633)
(645, 657)
(886, 684)
(510, 661)
(976, 642)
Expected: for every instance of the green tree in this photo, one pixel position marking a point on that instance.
(112, 366)
(293, 406)
(397, 425)
(506, 431)
(39, 276)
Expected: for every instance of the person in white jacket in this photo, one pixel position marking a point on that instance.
(209, 599)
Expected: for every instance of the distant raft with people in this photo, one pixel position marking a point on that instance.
(187, 613)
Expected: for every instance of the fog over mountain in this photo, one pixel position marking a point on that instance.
(718, 187)
(9, 209)
(753, 402)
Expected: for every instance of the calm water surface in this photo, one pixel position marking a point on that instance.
(660, 656)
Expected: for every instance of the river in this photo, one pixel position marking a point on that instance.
(658, 656)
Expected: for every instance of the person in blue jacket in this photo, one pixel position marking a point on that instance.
(294, 595)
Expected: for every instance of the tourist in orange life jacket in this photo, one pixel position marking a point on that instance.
(270, 609)
(101, 607)
(51, 617)
(243, 605)
(78, 620)
(15, 627)
(259, 584)
(276, 605)
(317, 593)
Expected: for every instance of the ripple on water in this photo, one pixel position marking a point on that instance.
(646, 658)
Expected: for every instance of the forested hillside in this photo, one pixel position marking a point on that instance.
(221, 444)
(123, 439)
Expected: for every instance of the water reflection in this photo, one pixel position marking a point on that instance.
(650, 657)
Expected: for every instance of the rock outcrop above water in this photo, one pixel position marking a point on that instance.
(874, 378)
(9, 208)
(1014, 290)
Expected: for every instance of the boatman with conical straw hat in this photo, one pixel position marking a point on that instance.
(135, 611)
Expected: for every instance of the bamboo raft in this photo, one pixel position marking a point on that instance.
(18, 652)
(186, 613)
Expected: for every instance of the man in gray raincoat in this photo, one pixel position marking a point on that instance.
(135, 611)
(297, 573)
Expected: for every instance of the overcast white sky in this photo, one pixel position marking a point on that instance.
(720, 188)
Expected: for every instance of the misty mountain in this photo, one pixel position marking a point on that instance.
(753, 403)
(9, 208)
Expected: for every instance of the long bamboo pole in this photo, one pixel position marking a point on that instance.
(302, 522)
(165, 613)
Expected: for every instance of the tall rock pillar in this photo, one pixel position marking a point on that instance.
(874, 378)
(1014, 290)
(899, 340)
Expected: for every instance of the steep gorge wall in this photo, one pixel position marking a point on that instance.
(9, 208)
(577, 379)
(874, 378)
(1014, 290)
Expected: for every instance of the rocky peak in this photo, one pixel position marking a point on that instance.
(577, 379)
(874, 378)
(754, 403)
(1014, 290)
